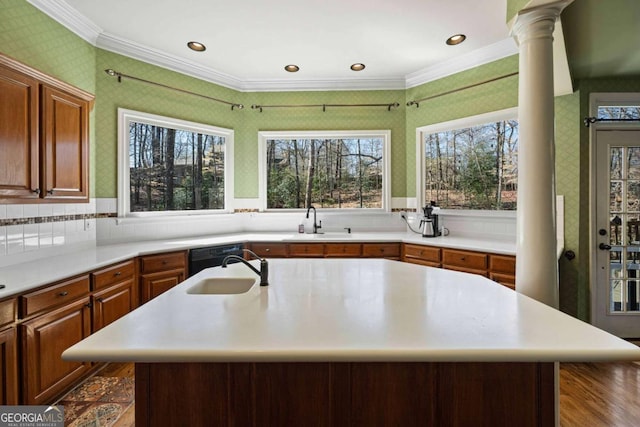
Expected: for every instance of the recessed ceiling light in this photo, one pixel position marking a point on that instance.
(456, 39)
(197, 46)
(357, 67)
(292, 68)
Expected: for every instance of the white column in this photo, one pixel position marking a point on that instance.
(536, 257)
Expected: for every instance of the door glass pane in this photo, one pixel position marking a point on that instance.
(616, 162)
(633, 196)
(615, 197)
(616, 295)
(633, 163)
(633, 230)
(615, 230)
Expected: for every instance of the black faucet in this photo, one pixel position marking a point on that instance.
(264, 266)
(315, 226)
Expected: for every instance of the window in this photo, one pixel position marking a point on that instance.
(470, 163)
(328, 169)
(169, 166)
(614, 112)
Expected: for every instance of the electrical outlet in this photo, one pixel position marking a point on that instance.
(88, 225)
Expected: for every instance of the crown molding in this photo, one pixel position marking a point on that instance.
(67, 16)
(323, 85)
(493, 52)
(155, 57)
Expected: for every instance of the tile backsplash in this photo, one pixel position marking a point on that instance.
(34, 231)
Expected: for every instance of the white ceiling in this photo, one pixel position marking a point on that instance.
(402, 42)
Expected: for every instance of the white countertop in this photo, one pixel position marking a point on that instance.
(22, 277)
(349, 310)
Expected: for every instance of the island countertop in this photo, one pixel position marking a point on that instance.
(349, 310)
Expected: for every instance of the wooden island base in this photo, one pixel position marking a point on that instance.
(344, 394)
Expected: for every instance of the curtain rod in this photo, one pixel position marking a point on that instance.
(589, 120)
(120, 76)
(324, 106)
(417, 102)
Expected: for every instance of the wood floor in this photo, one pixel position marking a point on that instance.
(591, 394)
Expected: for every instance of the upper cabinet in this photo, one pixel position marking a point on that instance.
(44, 137)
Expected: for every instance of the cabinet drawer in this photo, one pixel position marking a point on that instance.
(112, 275)
(7, 312)
(55, 295)
(163, 262)
(504, 279)
(502, 264)
(306, 249)
(269, 249)
(465, 259)
(381, 250)
(342, 250)
(426, 253)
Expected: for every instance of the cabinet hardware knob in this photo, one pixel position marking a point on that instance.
(462, 258)
(164, 261)
(117, 273)
(89, 305)
(100, 300)
(267, 250)
(36, 191)
(63, 294)
(50, 192)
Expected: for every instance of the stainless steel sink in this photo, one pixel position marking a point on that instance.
(222, 286)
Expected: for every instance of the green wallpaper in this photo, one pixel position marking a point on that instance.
(485, 98)
(568, 170)
(31, 37)
(514, 6)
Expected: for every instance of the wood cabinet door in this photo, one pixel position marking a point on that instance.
(65, 144)
(8, 367)
(19, 153)
(112, 303)
(44, 338)
(156, 283)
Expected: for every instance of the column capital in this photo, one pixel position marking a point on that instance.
(538, 21)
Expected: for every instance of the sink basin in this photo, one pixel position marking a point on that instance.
(222, 286)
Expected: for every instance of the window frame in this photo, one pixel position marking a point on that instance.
(263, 136)
(125, 117)
(465, 122)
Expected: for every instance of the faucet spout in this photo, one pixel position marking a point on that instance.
(263, 272)
(315, 225)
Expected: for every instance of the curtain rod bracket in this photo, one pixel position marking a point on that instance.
(256, 107)
(113, 73)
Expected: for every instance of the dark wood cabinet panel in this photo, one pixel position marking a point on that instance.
(8, 311)
(270, 249)
(8, 367)
(44, 137)
(65, 130)
(345, 394)
(19, 152)
(54, 295)
(161, 272)
(464, 259)
(306, 250)
(154, 284)
(381, 250)
(44, 338)
(112, 303)
(163, 262)
(342, 250)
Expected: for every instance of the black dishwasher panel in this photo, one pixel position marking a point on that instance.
(211, 256)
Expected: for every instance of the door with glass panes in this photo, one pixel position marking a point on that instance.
(617, 288)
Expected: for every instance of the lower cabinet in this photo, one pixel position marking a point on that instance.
(45, 375)
(159, 273)
(9, 366)
(112, 303)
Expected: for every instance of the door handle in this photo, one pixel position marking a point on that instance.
(604, 247)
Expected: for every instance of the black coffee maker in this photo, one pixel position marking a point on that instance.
(429, 223)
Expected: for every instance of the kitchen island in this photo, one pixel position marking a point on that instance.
(348, 342)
